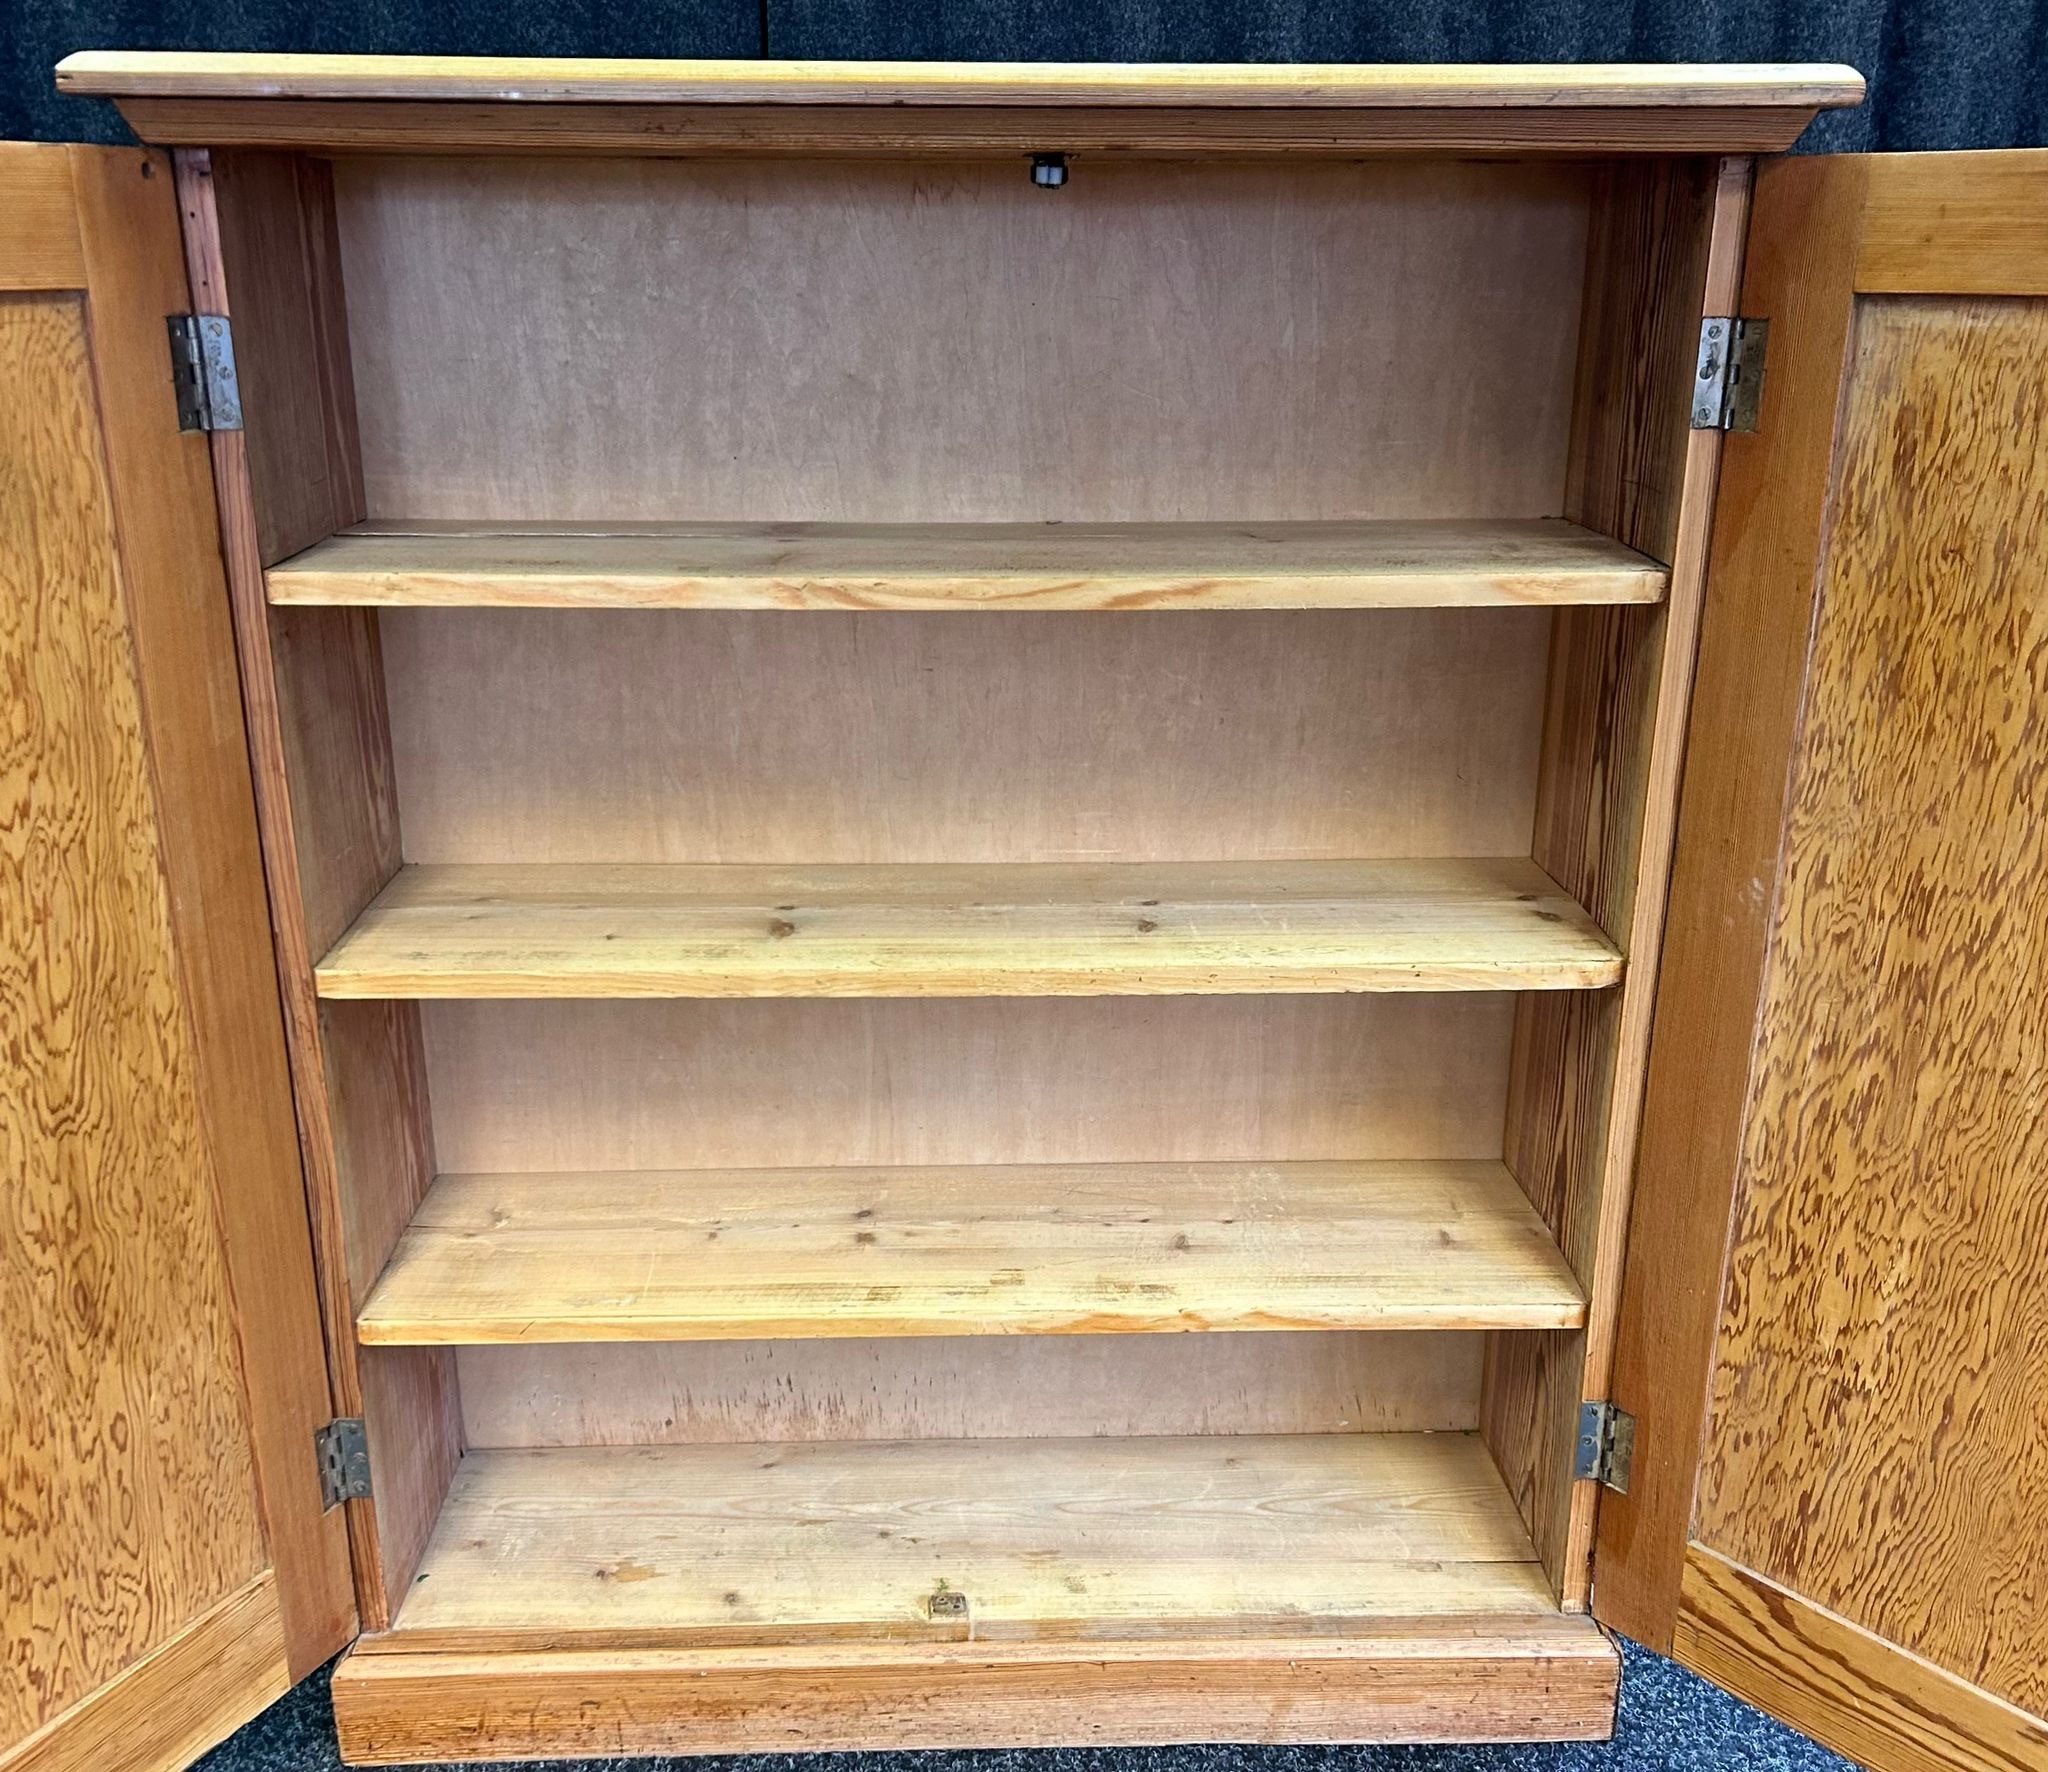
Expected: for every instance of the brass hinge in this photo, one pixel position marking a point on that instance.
(1728, 383)
(1607, 1446)
(203, 373)
(343, 1450)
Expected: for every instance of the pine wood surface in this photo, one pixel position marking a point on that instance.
(740, 1254)
(1769, 536)
(1901, 1047)
(543, 80)
(319, 747)
(972, 566)
(161, 1712)
(1955, 224)
(40, 247)
(164, 513)
(124, 1444)
(1008, 132)
(1866, 1698)
(698, 1545)
(1667, 249)
(1027, 930)
(1504, 1679)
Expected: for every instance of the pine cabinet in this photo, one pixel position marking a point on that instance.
(887, 905)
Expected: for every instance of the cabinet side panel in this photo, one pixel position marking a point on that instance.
(1882, 1376)
(191, 705)
(124, 1447)
(281, 251)
(1666, 249)
(1752, 672)
(319, 738)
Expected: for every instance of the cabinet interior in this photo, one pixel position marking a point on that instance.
(970, 859)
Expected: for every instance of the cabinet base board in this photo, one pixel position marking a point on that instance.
(1514, 1679)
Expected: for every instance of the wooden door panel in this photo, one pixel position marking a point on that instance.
(1879, 1438)
(127, 1452)
(167, 1568)
(1835, 1334)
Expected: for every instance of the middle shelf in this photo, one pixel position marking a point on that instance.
(1440, 563)
(939, 930)
(970, 1250)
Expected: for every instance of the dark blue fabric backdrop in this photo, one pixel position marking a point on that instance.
(1943, 73)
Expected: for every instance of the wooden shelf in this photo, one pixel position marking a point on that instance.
(1035, 929)
(1057, 1249)
(974, 566)
(1219, 1535)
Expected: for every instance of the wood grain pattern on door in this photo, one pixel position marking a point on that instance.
(131, 1498)
(1880, 1440)
(167, 1564)
(1836, 1301)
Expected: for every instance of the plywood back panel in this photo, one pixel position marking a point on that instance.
(651, 736)
(991, 1387)
(646, 339)
(563, 1085)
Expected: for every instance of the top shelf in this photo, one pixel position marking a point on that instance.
(1322, 565)
(400, 103)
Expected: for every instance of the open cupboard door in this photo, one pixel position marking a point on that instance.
(1836, 1303)
(168, 1565)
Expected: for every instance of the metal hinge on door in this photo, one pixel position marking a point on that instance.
(203, 373)
(1729, 381)
(1607, 1446)
(343, 1450)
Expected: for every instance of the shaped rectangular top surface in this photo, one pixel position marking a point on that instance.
(469, 103)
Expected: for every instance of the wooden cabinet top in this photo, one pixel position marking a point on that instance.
(416, 102)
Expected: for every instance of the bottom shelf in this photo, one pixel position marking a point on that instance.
(983, 1540)
(936, 1593)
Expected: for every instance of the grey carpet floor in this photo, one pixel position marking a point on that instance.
(1668, 1719)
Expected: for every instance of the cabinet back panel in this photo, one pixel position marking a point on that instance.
(542, 735)
(969, 1387)
(646, 339)
(769, 1084)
